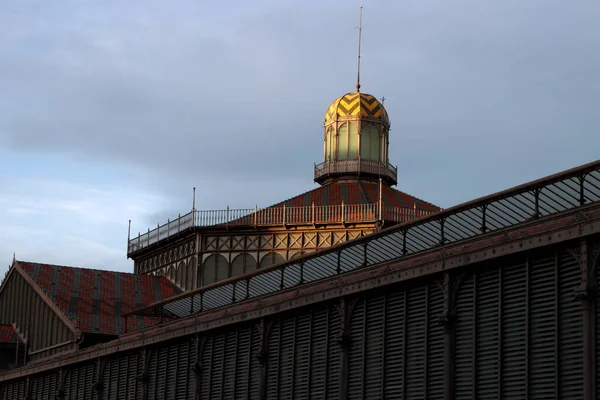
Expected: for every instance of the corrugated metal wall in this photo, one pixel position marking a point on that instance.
(518, 334)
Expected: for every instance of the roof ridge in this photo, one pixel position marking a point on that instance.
(68, 313)
(84, 268)
(97, 319)
(416, 198)
(49, 297)
(280, 203)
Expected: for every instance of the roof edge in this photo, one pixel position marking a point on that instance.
(8, 275)
(53, 306)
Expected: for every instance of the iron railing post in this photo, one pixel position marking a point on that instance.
(536, 212)
(380, 197)
(483, 218)
(582, 190)
(129, 236)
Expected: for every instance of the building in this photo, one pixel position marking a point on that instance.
(65, 309)
(356, 197)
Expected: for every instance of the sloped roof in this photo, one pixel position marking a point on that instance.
(95, 299)
(357, 192)
(7, 334)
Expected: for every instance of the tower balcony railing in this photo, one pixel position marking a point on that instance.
(354, 166)
(273, 216)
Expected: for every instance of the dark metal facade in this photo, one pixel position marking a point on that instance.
(508, 328)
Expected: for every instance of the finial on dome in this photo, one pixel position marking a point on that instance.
(359, 40)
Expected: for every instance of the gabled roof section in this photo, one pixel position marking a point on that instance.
(95, 299)
(357, 192)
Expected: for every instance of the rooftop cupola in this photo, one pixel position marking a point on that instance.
(356, 137)
(356, 141)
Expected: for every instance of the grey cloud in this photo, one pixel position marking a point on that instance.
(480, 93)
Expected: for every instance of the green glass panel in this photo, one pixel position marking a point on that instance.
(342, 145)
(374, 147)
(329, 146)
(384, 147)
(353, 140)
(364, 144)
(369, 142)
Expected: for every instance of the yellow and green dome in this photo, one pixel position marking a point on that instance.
(358, 105)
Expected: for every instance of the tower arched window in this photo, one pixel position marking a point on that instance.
(271, 259)
(342, 142)
(329, 144)
(242, 263)
(215, 268)
(369, 141)
(352, 140)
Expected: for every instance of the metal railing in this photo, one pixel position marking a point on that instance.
(343, 213)
(551, 195)
(356, 166)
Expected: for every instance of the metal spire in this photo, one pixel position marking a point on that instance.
(359, 40)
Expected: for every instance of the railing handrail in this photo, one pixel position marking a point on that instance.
(533, 188)
(364, 161)
(274, 215)
(355, 164)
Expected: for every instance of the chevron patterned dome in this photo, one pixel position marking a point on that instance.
(357, 105)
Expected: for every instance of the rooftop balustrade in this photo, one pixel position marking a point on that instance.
(280, 215)
(356, 166)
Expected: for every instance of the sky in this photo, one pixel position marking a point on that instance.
(114, 110)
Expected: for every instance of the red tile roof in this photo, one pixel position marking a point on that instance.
(7, 334)
(357, 192)
(95, 299)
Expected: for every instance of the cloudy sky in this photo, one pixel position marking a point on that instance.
(113, 110)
